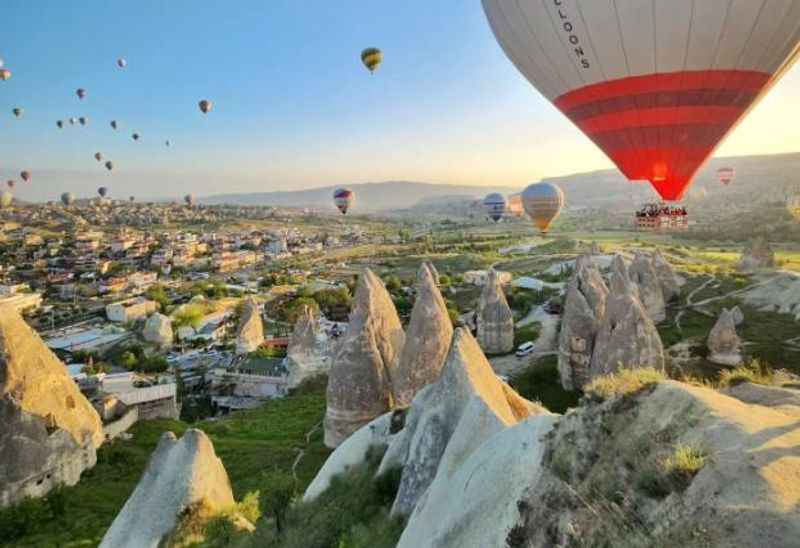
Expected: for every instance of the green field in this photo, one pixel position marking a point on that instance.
(257, 447)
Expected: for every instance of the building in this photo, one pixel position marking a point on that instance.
(140, 281)
(154, 402)
(23, 302)
(229, 261)
(130, 310)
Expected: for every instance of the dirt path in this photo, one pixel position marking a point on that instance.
(301, 452)
(545, 343)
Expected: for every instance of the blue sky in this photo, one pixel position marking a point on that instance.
(294, 107)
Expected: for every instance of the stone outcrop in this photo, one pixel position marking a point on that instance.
(670, 286)
(495, 320)
(757, 255)
(250, 334)
(584, 306)
(427, 340)
(306, 356)
(158, 330)
(626, 337)
(360, 380)
(738, 315)
(432, 268)
(449, 419)
(50, 431)
(182, 473)
(724, 344)
(643, 274)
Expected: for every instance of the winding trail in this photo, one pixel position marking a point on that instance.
(301, 451)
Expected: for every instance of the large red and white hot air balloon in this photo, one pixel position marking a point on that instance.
(656, 84)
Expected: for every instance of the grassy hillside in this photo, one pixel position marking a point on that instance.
(257, 447)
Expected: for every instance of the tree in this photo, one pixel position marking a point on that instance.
(158, 294)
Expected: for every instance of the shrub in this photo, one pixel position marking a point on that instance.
(623, 382)
(683, 464)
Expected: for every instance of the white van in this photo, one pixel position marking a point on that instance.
(525, 348)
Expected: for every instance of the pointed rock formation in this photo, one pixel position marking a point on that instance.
(251, 330)
(595, 249)
(627, 337)
(360, 381)
(757, 255)
(182, 473)
(158, 330)
(724, 345)
(449, 419)
(644, 275)
(306, 356)
(584, 306)
(670, 287)
(435, 273)
(738, 315)
(495, 320)
(49, 431)
(427, 340)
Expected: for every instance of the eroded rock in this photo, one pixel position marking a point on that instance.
(250, 334)
(158, 330)
(307, 355)
(643, 274)
(495, 320)
(724, 344)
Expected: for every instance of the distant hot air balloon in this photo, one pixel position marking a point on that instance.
(135, 136)
(122, 63)
(114, 124)
(343, 199)
(2, 62)
(83, 120)
(102, 191)
(17, 111)
(131, 198)
(167, 143)
(189, 199)
(67, 198)
(109, 165)
(6, 198)
(80, 92)
(25, 175)
(655, 85)
(10, 183)
(372, 58)
(543, 203)
(72, 121)
(60, 124)
(205, 106)
(726, 175)
(98, 156)
(495, 206)
(5, 74)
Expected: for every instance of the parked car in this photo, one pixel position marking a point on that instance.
(525, 348)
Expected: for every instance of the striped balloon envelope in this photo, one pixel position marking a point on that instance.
(726, 175)
(543, 203)
(343, 199)
(656, 84)
(495, 206)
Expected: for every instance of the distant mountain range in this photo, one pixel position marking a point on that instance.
(370, 197)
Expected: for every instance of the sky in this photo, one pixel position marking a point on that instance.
(293, 105)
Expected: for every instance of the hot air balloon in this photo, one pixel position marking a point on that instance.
(656, 85)
(189, 199)
(131, 198)
(72, 121)
(726, 175)
(102, 191)
(205, 106)
(109, 165)
(514, 205)
(343, 199)
(98, 156)
(135, 136)
(83, 120)
(80, 92)
(10, 183)
(2, 62)
(26, 175)
(17, 111)
(371, 57)
(543, 203)
(122, 63)
(6, 198)
(5, 74)
(60, 124)
(114, 124)
(67, 198)
(495, 206)
(167, 143)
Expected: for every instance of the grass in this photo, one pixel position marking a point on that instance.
(680, 467)
(622, 383)
(754, 372)
(526, 333)
(257, 448)
(540, 382)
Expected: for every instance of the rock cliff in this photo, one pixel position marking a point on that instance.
(495, 321)
(307, 355)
